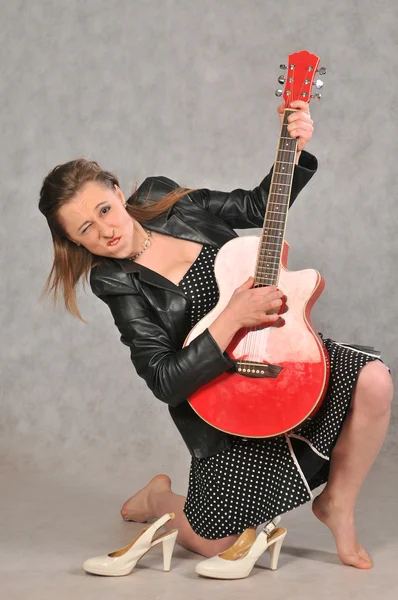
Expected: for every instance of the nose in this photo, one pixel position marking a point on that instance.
(107, 231)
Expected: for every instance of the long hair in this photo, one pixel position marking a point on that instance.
(73, 263)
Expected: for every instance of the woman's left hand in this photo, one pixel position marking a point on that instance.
(300, 123)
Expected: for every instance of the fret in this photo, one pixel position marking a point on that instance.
(275, 236)
(272, 263)
(264, 259)
(282, 178)
(275, 229)
(275, 244)
(267, 283)
(276, 255)
(276, 250)
(273, 183)
(276, 202)
(273, 221)
(274, 212)
(283, 150)
(284, 162)
(265, 243)
(268, 275)
(268, 267)
(261, 266)
(273, 207)
(279, 194)
(271, 277)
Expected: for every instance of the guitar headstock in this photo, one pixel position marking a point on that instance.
(301, 70)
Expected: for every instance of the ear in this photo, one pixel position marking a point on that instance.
(119, 193)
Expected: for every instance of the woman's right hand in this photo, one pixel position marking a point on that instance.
(251, 307)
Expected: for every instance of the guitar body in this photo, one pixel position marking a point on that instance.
(253, 404)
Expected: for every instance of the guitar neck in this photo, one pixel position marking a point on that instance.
(273, 231)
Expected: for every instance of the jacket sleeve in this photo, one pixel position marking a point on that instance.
(244, 209)
(172, 374)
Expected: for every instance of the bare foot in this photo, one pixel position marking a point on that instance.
(136, 508)
(342, 525)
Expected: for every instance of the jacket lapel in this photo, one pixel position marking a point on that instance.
(188, 224)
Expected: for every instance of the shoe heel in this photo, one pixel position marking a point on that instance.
(168, 546)
(274, 552)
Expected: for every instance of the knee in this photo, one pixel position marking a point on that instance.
(375, 389)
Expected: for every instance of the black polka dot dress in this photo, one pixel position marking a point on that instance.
(257, 479)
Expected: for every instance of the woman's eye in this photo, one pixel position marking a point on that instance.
(106, 208)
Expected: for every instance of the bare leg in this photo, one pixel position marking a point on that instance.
(360, 440)
(358, 444)
(157, 499)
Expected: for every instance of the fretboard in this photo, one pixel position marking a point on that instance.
(273, 232)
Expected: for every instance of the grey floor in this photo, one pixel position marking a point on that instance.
(48, 527)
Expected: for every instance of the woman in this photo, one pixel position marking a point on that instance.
(150, 260)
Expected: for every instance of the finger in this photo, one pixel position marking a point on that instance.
(300, 105)
(273, 306)
(300, 116)
(246, 285)
(300, 124)
(271, 318)
(303, 134)
(268, 289)
(269, 295)
(281, 108)
(301, 131)
(284, 307)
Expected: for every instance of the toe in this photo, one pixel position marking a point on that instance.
(358, 560)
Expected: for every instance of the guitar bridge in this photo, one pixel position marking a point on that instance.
(257, 369)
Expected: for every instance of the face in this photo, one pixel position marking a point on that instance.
(95, 216)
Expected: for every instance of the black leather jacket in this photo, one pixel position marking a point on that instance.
(149, 310)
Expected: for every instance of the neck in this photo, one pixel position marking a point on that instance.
(273, 232)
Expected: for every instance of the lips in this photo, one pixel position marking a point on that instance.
(114, 241)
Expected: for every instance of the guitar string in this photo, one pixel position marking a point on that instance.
(281, 220)
(255, 345)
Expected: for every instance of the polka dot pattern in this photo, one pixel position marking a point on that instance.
(257, 479)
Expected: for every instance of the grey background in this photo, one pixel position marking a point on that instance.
(184, 89)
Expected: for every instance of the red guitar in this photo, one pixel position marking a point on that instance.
(282, 372)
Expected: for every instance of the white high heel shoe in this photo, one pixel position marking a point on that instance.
(238, 561)
(122, 562)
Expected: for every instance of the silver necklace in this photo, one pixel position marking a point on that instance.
(147, 243)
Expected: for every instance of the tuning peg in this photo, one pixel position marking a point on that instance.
(318, 84)
(317, 96)
(278, 93)
(321, 71)
(282, 66)
(281, 79)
